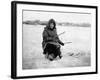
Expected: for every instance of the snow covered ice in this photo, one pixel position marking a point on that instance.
(75, 54)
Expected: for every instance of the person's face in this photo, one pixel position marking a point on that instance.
(51, 25)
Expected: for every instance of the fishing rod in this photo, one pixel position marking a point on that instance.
(62, 33)
(67, 42)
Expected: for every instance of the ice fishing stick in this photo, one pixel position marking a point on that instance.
(67, 42)
(61, 33)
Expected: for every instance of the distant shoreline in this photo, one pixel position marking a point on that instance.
(38, 22)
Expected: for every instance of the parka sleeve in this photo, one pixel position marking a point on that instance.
(46, 37)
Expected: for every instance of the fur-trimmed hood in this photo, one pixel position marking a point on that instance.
(51, 21)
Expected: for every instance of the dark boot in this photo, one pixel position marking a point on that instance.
(60, 56)
(59, 53)
(51, 57)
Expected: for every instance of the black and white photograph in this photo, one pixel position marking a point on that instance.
(55, 39)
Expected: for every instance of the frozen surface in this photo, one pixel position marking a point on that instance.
(75, 54)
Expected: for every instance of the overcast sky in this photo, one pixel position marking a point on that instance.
(59, 17)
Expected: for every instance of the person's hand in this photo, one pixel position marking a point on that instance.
(62, 44)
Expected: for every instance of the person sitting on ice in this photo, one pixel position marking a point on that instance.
(51, 39)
